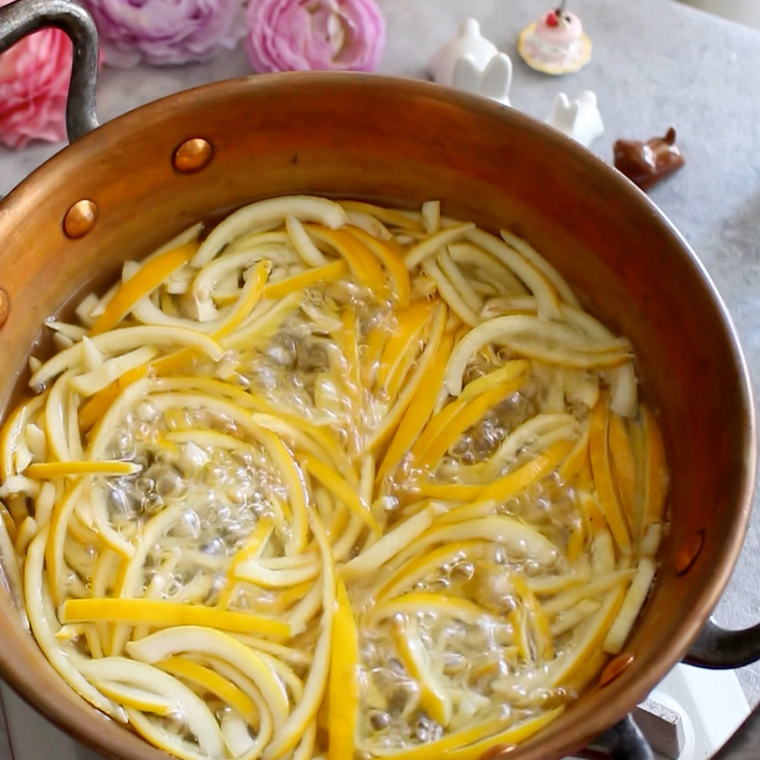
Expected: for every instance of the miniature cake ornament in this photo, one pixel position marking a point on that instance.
(471, 62)
(555, 44)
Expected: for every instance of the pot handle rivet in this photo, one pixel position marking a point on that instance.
(5, 306)
(80, 219)
(615, 667)
(688, 553)
(192, 155)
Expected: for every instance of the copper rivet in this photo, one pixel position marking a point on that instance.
(5, 306)
(615, 667)
(192, 155)
(80, 219)
(689, 551)
(498, 750)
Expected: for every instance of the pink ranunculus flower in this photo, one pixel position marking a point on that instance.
(298, 35)
(34, 82)
(165, 32)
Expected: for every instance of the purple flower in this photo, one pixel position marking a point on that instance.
(165, 32)
(298, 35)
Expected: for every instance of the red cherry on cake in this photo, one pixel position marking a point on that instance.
(551, 19)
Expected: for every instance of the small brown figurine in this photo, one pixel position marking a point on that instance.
(647, 163)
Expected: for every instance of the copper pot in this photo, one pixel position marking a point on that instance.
(399, 142)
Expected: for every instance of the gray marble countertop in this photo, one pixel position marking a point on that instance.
(656, 64)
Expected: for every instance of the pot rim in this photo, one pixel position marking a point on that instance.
(13, 671)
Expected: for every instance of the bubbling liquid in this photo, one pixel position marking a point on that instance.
(333, 481)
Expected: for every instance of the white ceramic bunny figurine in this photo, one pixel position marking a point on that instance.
(473, 63)
(579, 118)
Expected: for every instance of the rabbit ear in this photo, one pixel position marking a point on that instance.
(571, 114)
(560, 105)
(466, 75)
(497, 78)
(565, 117)
(470, 27)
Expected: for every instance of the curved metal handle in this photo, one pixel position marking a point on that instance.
(26, 16)
(719, 649)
